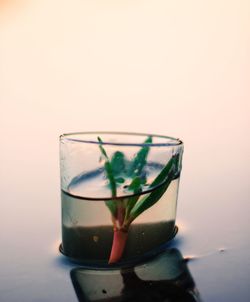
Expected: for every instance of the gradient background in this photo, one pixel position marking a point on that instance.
(179, 68)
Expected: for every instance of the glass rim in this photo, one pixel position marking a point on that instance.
(67, 137)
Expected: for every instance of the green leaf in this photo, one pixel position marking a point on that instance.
(108, 169)
(112, 183)
(165, 177)
(118, 163)
(135, 186)
(130, 203)
(140, 159)
(174, 160)
(120, 180)
(102, 149)
(111, 204)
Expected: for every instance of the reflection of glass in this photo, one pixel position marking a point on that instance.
(166, 278)
(119, 194)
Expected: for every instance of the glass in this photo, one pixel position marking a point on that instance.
(119, 196)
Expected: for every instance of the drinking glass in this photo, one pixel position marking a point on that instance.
(118, 196)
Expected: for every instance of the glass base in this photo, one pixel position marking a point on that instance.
(124, 263)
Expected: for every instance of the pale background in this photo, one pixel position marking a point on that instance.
(179, 68)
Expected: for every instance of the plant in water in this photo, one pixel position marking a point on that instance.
(125, 210)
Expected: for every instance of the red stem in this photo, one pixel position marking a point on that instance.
(120, 215)
(119, 242)
(120, 235)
